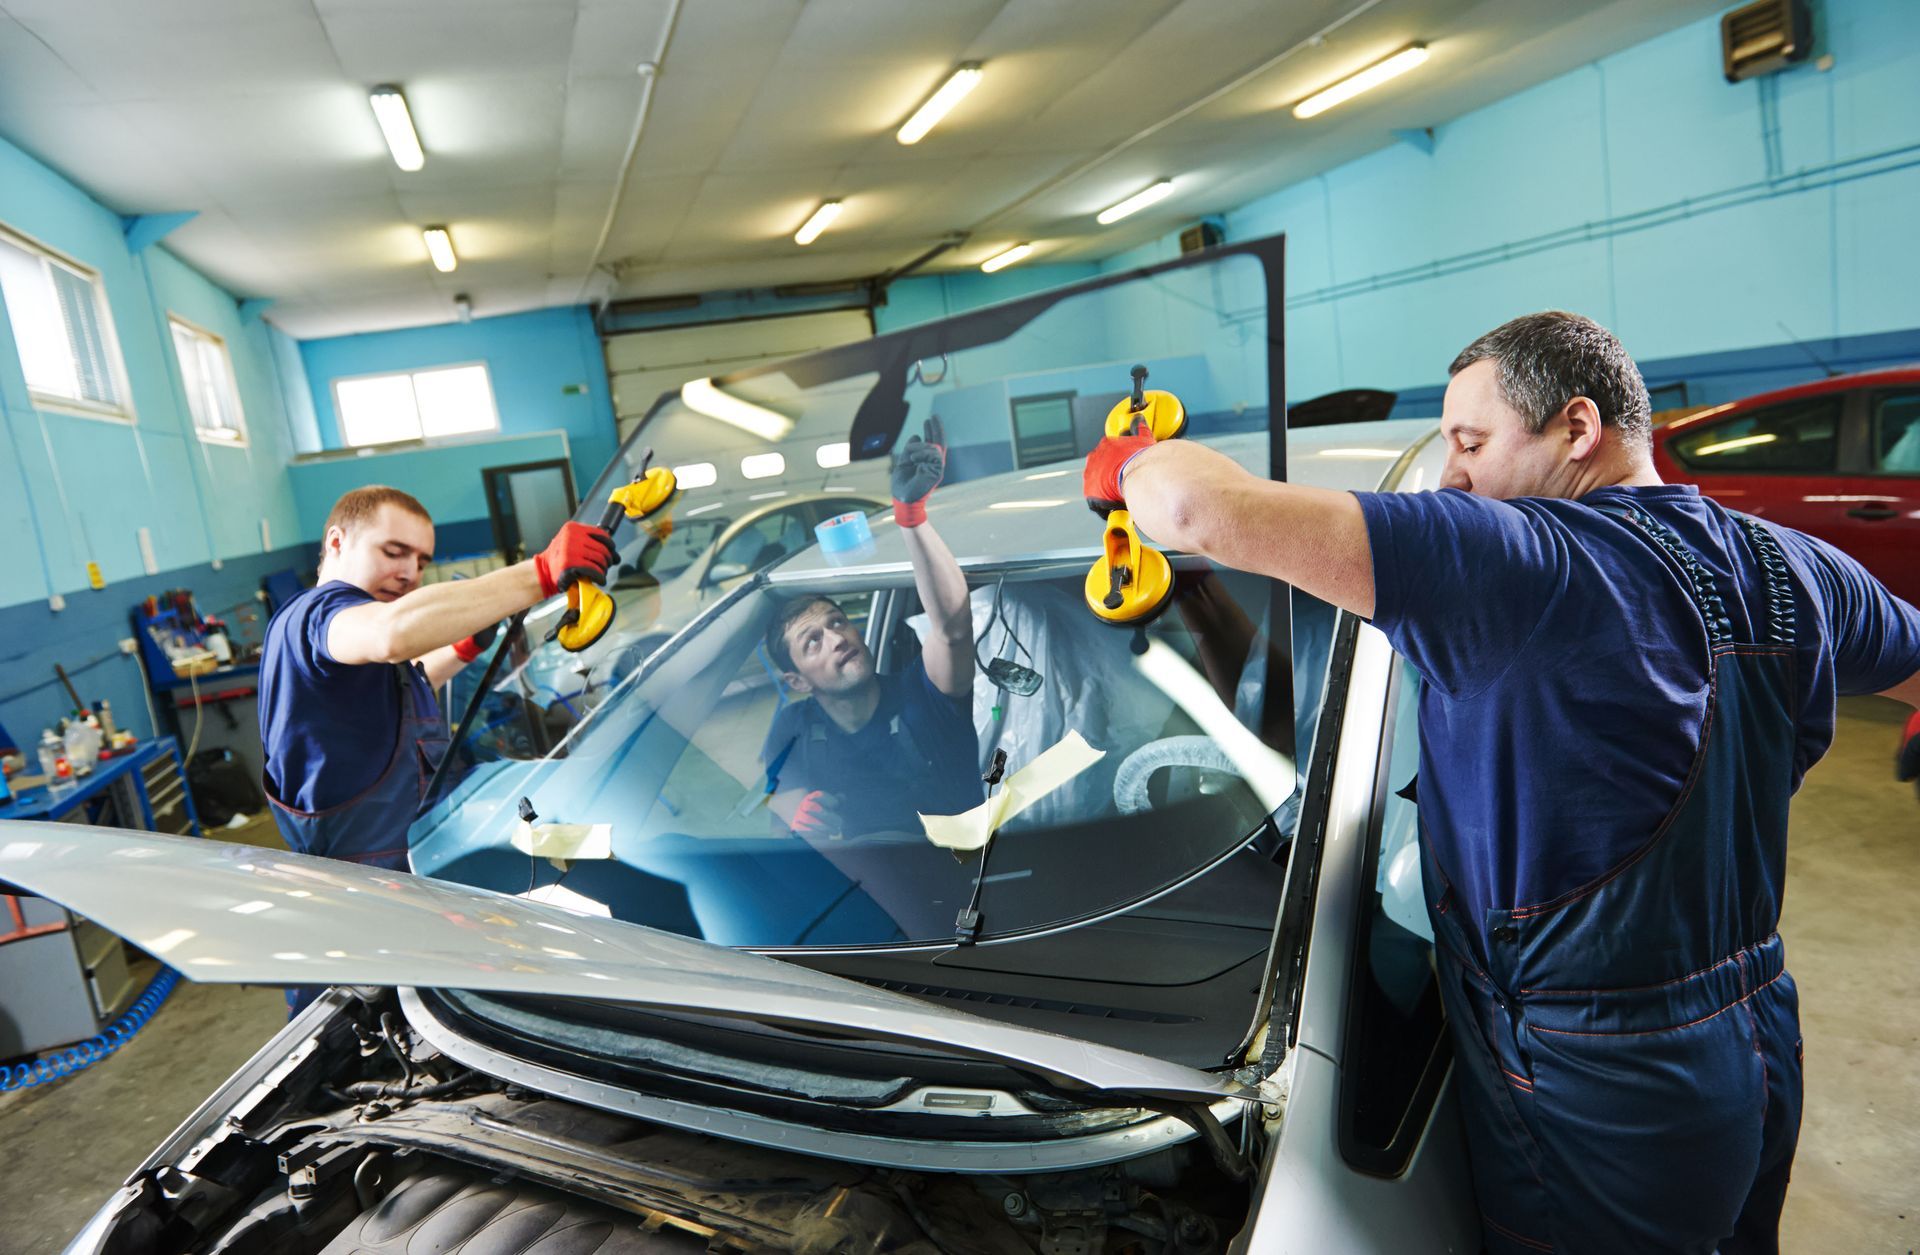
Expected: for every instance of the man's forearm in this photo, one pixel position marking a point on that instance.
(943, 591)
(431, 617)
(1191, 498)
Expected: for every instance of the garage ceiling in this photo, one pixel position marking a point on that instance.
(254, 113)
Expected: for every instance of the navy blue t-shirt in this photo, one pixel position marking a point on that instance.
(328, 727)
(919, 754)
(1566, 668)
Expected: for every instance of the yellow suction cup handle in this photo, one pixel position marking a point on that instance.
(588, 615)
(1130, 582)
(1166, 417)
(646, 494)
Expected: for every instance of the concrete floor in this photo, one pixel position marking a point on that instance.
(1853, 940)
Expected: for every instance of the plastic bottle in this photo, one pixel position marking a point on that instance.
(50, 752)
(82, 740)
(106, 720)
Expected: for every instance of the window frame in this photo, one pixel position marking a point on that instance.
(1393, 1159)
(340, 421)
(1869, 401)
(78, 407)
(1842, 422)
(180, 322)
(1019, 441)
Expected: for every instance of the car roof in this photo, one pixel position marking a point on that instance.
(1892, 376)
(1039, 513)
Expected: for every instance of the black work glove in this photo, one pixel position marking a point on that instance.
(918, 468)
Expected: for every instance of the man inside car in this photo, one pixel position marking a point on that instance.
(864, 752)
(1624, 684)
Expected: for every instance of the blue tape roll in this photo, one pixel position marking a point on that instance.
(843, 534)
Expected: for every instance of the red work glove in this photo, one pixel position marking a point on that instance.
(473, 646)
(1907, 765)
(576, 552)
(818, 814)
(917, 470)
(1107, 464)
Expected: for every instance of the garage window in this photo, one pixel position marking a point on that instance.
(206, 372)
(415, 405)
(63, 330)
(1896, 433)
(1799, 437)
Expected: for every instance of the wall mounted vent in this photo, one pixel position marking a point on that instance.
(1765, 36)
(1203, 234)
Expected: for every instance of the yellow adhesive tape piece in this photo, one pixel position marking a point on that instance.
(560, 843)
(1059, 763)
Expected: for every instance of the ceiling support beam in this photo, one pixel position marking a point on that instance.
(143, 231)
(1421, 139)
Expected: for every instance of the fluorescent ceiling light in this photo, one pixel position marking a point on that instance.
(828, 456)
(762, 465)
(695, 475)
(927, 116)
(1025, 505)
(1136, 202)
(768, 496)
(700, 396)
(1000, 261)
(1382, 454)
(1048, 474)
(1742, 442)
(390, 111)
(822, 219)
(1366, 80)
(440, 248)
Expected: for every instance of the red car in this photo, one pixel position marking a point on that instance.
(1838, 459)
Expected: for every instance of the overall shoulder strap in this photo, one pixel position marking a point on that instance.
(1700, 584)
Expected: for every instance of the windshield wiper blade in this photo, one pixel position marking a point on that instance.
(966, 926)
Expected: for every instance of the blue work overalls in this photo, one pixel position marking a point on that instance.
(1629, 1052)
(371, 827)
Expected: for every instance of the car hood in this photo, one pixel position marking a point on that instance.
(240, 914)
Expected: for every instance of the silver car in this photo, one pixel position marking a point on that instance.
(1181, 999)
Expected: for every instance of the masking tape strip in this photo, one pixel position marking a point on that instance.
(1056, 765)
(564, 841)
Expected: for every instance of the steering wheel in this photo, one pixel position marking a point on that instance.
(1198, 753)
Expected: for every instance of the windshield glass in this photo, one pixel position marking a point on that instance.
(790, 749)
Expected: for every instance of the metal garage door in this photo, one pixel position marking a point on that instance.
(643, 364)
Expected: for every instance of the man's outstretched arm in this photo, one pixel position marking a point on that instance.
(1187, 496)
(943, 591)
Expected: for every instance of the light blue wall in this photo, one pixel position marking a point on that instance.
(929, 297)
(530, 358)
(1693, 216)
(445, 478)
(77, 489)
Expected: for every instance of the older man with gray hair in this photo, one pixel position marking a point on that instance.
(1624, 683)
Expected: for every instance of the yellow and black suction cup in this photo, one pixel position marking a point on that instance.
(589, 611)
(1130, 582)
(1165, 417)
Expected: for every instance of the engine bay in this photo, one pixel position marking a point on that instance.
(363, 1138)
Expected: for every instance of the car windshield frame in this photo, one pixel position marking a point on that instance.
(887, 365)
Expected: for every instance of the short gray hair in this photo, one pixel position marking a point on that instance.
(1547, 359)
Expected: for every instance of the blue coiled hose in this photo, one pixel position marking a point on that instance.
(70, 1059)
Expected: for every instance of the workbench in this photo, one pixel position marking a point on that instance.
(64, 978)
